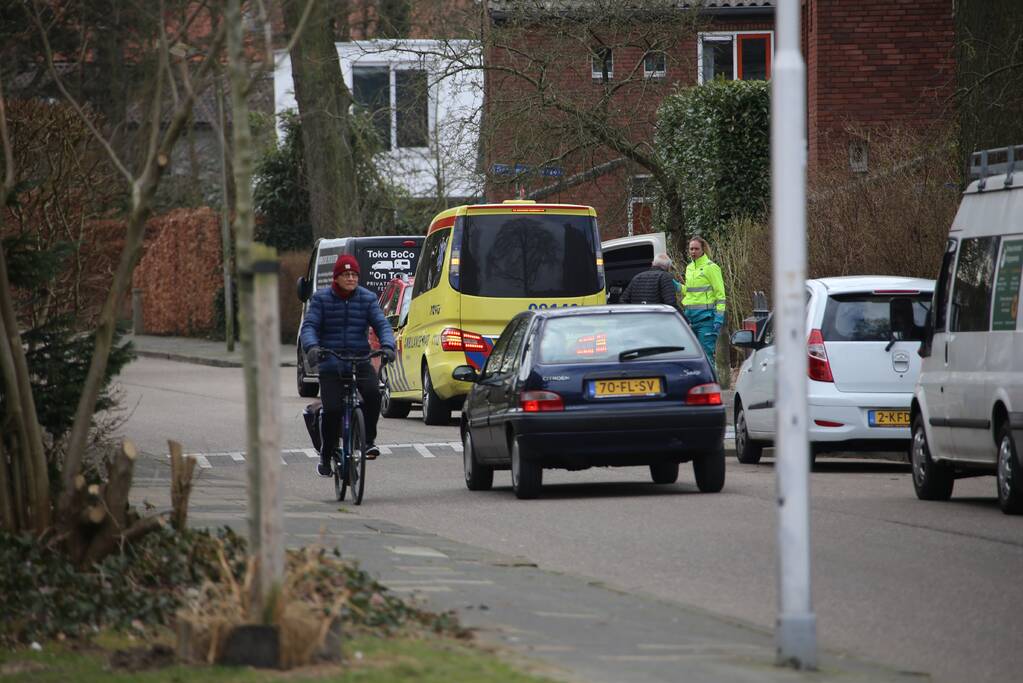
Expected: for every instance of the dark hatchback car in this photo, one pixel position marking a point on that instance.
(599, 386)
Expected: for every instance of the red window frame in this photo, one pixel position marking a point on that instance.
(741, 38)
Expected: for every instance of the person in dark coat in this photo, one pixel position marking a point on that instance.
(338, 318)
(654, 286)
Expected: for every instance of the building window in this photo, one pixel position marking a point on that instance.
(602, 64)
(655, 65)
(397, 101)
(641, 205)
(411, 93)
(735, 56)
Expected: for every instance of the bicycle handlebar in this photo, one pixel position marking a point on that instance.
(350, 358)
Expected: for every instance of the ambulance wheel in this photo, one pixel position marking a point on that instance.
(436, 411)
(388, 406)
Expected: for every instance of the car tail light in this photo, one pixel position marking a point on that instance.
(827, 423)
(704, 395)
(454, 339)
(540, 402)
(896, 291)
(820, 368)
(408, 243)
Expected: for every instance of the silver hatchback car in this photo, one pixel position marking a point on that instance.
(861, 375)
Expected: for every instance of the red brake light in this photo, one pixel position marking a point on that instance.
(454, 339)
(819, 368)
(540, 402)
(827, 423)
(704, 395)
(451, 339)
(896, 291)
(408, 243)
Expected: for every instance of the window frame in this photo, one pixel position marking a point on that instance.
(655, 73)
(427, 282)
(392, 98)
(606, 55)
(736, 38)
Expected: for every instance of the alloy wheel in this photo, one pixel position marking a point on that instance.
(1005, 471)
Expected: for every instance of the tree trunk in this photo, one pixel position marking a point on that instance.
(22, 411)
(323, 102)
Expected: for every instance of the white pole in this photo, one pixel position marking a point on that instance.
(796, 635)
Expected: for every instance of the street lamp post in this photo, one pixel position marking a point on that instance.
(796, 633)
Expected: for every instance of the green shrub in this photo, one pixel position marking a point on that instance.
(714, 140)
(280, 194)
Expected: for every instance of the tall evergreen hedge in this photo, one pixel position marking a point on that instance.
(714, 140)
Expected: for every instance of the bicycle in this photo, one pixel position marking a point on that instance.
(348, 463)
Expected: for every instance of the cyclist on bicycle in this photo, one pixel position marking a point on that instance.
(338, 318)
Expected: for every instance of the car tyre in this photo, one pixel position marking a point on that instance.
(388, 406)
(305, 389)
(1009, 475)
(710, 471)
(527, 476)
(932, 480)
(664, 472)
(747, 451)
(477, 477)
(436, 411)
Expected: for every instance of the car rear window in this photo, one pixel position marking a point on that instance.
(601, 337)
(528, 256)
(865, 317)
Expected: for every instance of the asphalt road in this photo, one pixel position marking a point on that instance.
(929, 587)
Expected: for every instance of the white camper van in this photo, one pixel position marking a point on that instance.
(967, 410)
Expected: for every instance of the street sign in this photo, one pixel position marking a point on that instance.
(552, 171)
(501, 169)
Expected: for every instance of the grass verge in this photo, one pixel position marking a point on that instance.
(367, 660)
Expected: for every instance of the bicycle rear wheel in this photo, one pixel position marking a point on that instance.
(357, 460)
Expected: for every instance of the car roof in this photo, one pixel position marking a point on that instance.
(849, 284)
(620, 309)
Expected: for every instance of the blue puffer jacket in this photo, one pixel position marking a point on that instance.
(342, 325)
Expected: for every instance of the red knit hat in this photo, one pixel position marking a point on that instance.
(344, 263)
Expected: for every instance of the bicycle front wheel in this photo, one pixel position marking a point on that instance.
(356, 456)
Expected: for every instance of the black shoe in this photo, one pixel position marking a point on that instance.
(323, 469)
(371, 452)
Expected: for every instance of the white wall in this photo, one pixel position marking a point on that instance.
(456, 101)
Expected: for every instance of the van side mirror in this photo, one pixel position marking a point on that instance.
(465, 373)
(305, 289)
(392, 320)
(903, 327)
(743, 339)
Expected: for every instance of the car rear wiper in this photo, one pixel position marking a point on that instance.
(632, 354)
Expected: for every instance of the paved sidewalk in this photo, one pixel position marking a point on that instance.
(200, 351)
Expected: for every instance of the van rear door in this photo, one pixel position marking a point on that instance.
(857, 335)
(626, 257)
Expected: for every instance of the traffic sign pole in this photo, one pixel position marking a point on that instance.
(796, 633)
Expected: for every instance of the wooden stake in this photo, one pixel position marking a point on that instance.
(182, 470)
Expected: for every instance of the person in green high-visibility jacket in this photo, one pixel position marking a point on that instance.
(703, 297)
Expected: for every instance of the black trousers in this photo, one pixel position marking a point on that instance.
(330, 396)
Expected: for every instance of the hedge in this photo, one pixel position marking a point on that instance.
(714, 141)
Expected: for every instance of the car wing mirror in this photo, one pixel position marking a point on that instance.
(742, 339)
(304, 289)
(393, 321)
(465, 373)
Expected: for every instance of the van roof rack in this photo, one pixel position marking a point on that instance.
(991, 162)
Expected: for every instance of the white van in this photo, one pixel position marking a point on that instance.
(967, 409)
(625, 257)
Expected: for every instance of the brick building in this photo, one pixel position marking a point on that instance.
(556, 67)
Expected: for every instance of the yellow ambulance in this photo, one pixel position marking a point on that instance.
(480, 265)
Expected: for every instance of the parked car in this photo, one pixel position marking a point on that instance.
(967, 410)
(625, 257)
(370, 251)
(481, 265)
(394, 301)
(861, 376)
(601, 386)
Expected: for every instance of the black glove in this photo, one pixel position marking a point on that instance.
(313, 356)
(388, 356)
